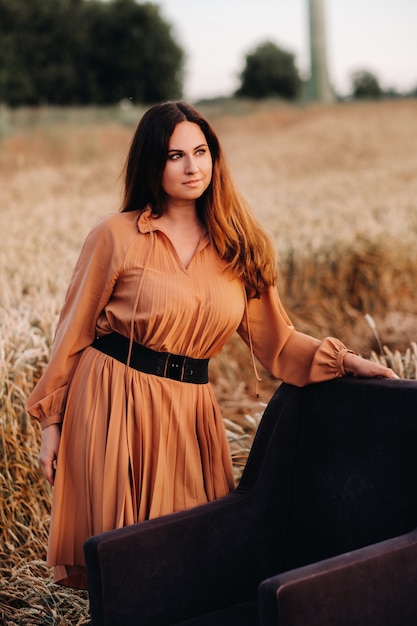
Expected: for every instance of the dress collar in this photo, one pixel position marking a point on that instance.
(144, 223)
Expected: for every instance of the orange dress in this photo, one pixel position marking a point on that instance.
(134, 445)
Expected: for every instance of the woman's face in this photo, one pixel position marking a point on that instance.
(189, 166)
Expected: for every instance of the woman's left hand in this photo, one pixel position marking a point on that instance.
(357, 366)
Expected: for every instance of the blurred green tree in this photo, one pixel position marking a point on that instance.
(131, 53)
(365, 85)
(86, 52)
(36, 42)
(270, 71)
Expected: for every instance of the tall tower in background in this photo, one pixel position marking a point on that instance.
(319, 87)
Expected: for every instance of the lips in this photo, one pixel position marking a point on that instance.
(192, 183)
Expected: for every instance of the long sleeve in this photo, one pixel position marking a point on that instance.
(90, 288)
(286, 353)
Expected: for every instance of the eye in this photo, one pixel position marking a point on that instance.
(174, 156)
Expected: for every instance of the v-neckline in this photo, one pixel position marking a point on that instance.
(185, 267)
(147, 224)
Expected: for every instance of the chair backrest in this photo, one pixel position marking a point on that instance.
(355, 475)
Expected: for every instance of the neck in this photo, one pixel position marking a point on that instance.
(181, 214)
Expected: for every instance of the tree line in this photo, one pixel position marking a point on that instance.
(86, 51)
(80, 52)
(272, 71)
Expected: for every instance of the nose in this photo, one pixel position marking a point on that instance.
(191, 165)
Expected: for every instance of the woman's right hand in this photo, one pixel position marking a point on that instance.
(49, 451)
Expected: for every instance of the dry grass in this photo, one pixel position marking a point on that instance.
(336, 188)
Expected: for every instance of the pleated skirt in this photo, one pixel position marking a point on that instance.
(133, 447)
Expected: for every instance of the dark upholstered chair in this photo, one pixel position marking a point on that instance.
(371, 586)
(333, 469)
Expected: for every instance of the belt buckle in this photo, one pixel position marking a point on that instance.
(175, 367)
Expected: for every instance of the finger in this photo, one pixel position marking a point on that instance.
(48, 470)
(389, 373)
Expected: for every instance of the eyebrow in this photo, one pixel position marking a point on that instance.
(202, 145)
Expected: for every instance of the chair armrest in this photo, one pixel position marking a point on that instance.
(177, 566)
(373, 585)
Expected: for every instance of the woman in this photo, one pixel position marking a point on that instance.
(161, 285)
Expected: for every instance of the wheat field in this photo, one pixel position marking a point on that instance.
(335, 186)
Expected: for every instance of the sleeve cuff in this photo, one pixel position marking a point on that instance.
(339, 361)
(49, 421)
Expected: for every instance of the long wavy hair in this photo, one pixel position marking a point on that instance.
(236, 235)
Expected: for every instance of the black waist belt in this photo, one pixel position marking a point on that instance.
(175, 366)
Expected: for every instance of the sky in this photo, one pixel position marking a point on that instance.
(376, 35)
